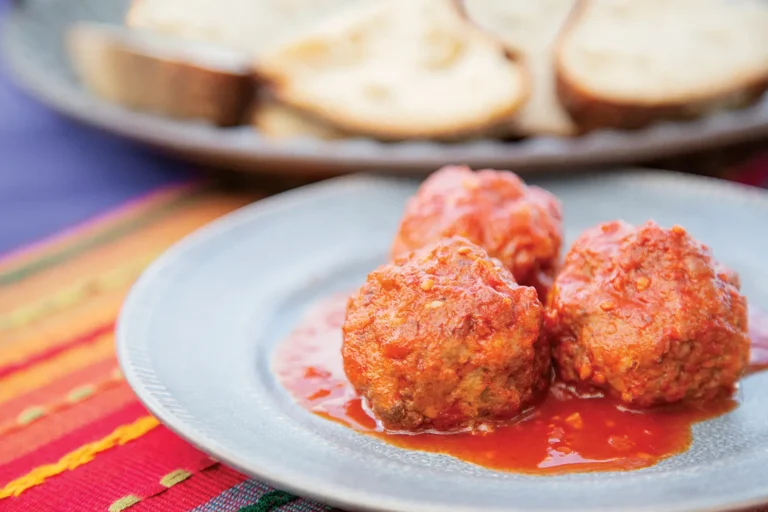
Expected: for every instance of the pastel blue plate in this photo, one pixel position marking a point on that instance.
(198, 330)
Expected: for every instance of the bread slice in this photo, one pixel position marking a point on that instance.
(627, 63)
(530, 27)
(399, 69)
(248, 25)
(278, 121)
(160, 75)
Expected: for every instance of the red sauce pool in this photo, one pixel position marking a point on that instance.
(565, 433)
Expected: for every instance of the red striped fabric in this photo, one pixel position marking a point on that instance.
(72, 435)
(70, 441)
(135, 468)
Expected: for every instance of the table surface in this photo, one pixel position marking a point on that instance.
(73, 437)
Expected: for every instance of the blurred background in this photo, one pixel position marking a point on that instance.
(103, 100)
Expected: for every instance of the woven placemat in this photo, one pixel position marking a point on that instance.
(72, 434)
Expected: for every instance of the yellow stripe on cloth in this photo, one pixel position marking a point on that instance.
(68, 297)
(58, 367)
(21, 344)
(81, 456)
(155, 237)
(140, 206)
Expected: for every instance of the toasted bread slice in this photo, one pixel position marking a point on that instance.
(163, 76)
(279, 121)
(627, 63)
(399, 69)
(530, 28)
(248, 25)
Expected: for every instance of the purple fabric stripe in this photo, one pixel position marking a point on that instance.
(55, 173)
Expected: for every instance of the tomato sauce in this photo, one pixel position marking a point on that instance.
(568, 432)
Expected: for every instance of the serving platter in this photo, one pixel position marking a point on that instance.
(32, 36)
(198, 333)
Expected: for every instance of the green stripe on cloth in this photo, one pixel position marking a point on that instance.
(112, 234)
(270, 501)
(248, 494)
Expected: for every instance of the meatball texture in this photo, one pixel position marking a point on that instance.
(444, 339)
(518, 224)
(648, 315)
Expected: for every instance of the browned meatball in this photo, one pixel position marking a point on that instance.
(443, 339)
(518, 224)
(648, 315)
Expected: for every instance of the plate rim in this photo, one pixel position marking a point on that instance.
(307, 156)
(341, 495)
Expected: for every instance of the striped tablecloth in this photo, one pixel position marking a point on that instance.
(73, 437)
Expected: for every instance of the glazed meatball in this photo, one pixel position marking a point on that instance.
(648, 315)
(518, 224)
(444, 339)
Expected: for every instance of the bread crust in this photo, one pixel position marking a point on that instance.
(490, 124)
(591, 111)
(117, 70)
(277, 121)
(280, 87)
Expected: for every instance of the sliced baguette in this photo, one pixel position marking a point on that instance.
(530, 28)
(628, 63)
(277, 121)
(163, 76)
(248, 25)
(399, 69)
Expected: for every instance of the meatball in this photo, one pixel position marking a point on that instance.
(518, 224)
(648, 315)
(444, 339)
